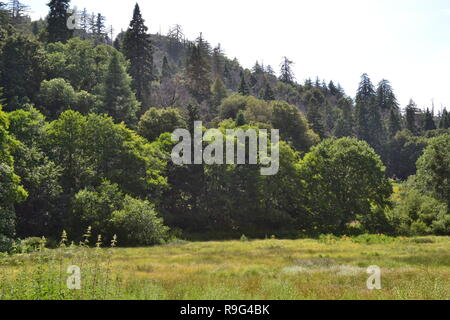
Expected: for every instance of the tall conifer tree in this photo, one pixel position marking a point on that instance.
(286, 73)
(57, 21)
(369, 126)
(138, 50)
(243, 88)
(198, 74)
(444, 123)
(268, 94)
(411, 117)
(118, 98)
(428, 121)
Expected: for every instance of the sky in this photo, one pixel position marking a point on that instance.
(404, 41)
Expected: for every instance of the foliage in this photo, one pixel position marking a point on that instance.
(119, 101)
(91, 148)
(93, 208)
(433, 173)
(56, 96)
(80, 63)
(138, 224)
(416, 213)
(219, 92)
(22, 65)
(57, 21)
(231, 106)
(11, 191)
(293, 126)
(40, 214)
(344, 178)
(138, 49)
(158, 121)
(94, 164)
(197, 74)
(402, 153)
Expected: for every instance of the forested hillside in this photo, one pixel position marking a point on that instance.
(85, 141)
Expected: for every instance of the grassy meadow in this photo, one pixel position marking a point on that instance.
(326, 268)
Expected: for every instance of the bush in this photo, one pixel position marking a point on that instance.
(416, 214)
(244, 238)
(5, 244)
(138, 224)
(373, 239)
(30, 245)
(93, 208)
(328, 238)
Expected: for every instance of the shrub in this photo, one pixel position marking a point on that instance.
(416, 213)
(138, 224)
(93, 207)
(373, 239)
(30, 245)
(328, 238)
(244, 238)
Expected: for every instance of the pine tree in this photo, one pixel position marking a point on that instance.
(17, 12)
(369, 126)
(333, 89)
(138, 50)
(444, 123)
(386, 98)
(315, 120)
(21, 74)
(268, 94)
(84, 21)
(344, 126)
(4, 14)
(198, 75)
(243, 88)
(340, 90)
(411, 117)
(166, 71)
(308, 84)
(91, 20)
(317, 83)
(366, 91)
(364, 97)
(428, 122)
(204, 46)
(287, 75)
(219, 92)
(57, 21)
(218, 63)
(394, 123)
(100, 29)
(119, 101)
(269, 70)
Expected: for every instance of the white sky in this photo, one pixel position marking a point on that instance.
(404, 41)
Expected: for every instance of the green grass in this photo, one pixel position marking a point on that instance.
(268, 269)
